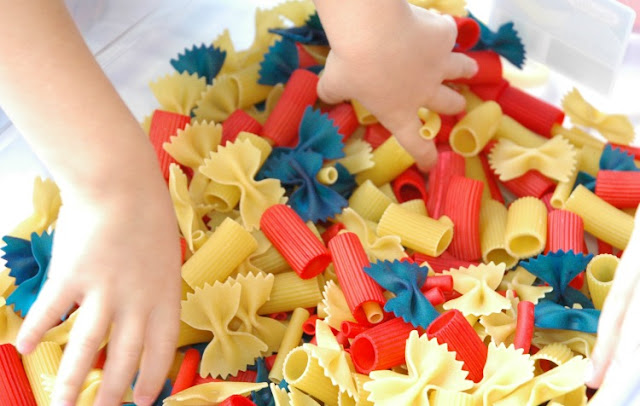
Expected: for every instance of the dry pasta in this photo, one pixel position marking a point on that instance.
(212, 393)
(328, 175)
(477, 284)
(579, 342)
(471, 134)
(415, 206)
(475, 170)
(44, 360)
(10, 323)
(364, 116)
(521, 281)
(369, 201)
(335, 305)
(188, 220)
(515, 132)
(577, 137)
(564, 188)
(600, 273)
(493, 227)
(179, 92)
(46, 204)
(526, 233)
(291, 340)
(454, 7)
(358, 156)
(302, 371)
(261, 143)
(590, 160)
(192, 145)
(430, 123)
(390, 160)
(290, 291)
(218, 101)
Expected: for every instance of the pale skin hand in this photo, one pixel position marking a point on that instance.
(393, 58)
(116, 248)
(616, 357)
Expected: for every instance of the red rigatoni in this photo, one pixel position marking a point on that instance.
(14, 385)
(444, 262)
(344, 117)
(453, 329)
(532, 183)
(351, 329)
(350, 259)
(468, 33)
(464, 197)
(282, 125)
(165, 124)
(298, 245)
(435, 296)
(305, 59)
(533, 113)
(489, 69)
(494, 189)
(546, 199)
(490, 91)
(524, 326)
(380, 347)
(331, 232)
(237, 122)
(237, 400)
(442, 282)
(376, 135)
(449, 164)
(619, 188)
(565, 232)
(604, 248)
(187, 372)
(410, 185)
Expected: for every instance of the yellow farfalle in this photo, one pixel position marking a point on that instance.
(10, 323)
(270, 103)
(521, 281)
(299, 398)
(212, 393)
(7, 283)
(248, 266)
(296, 11)
(188, 220)
(556, 159)
(46, 205)
(178, 92)
(236, 165)
(335, 305)
(477, 284)
(358, 156)
(505, 370)
(556, 353)
(280, 395)
(454, 7)
(89, 390)
(430, 366)
(60, 333)
(616, 128)
(577, 341)
(501, 326)
(577, 397)
(192, 145)
(218, 101)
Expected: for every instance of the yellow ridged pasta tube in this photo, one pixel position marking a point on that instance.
(420, 233)
(327, 175)
(291, 340)
(474, 170)
(363, 394)
(589, 160)
(250, 91)
(389, 161)
(224, 198)
(431, 123)
(526, 233)
(471, 134)
(563, 190)
(415, 206)
(600, 273)
(443, 397)
(493, 226)
(577, 137)
(388, 191)
(302, 371)
(44, 360)
(271, 261)
(601, 219)
(364, 116)
(513, 131)
(369, 201)
(473, 101)
(220, 255)
(259, 142)
(289, 292)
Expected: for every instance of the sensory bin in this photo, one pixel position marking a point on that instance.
(321, 267)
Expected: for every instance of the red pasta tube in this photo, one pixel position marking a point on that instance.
(446, 125)
(604, 248)
(444, 262)
(619, 188)
(533, 113)
(532, 183)
(376, 135)
(546, 199)
(565, 232)
(468, 33)
(101, 359)
(449, 164)
(489, 91)
(237, 122)
(464, 197)
(489, 69)
(344, 117)
(165, 124)
(309, 326)
(453, 329)
(351, 329)
(244, 376)
(269, 361)
(304, 252)
(494, 189)
(237, 400)
(14, 385)
(524, 326)
(364, 296)
(410, 185)
(380, 347)
(331, 232)
(435, 296)
(442, 282)
(578, 281)
(305, 59)
(280, 316)
(282, 125)
(187, 372)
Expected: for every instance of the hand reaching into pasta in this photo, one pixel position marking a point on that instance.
(393, 57)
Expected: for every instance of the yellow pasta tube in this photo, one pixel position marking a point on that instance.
(271, 261)
(589, 160)
(600, 273)
(363, 394)
(431, 123)
(420, 233)
(328, 175)
(475, 170)
(290, 292)
(364, 116)
(443, 397)
(291, 340)
(259, 142)
(472, 100)
(389, 161)
(601, 219)
(516, 132)
(577, 137)
(223, 198)
(493, 226)
(369, 201)
(388, 191)
(44, 360)
(415, 206)
(227, 248)
(526, 233)
(250, 91)
(302, 371)
(471, 134)
(563, 189)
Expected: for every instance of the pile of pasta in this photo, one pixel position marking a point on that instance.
(320, 267)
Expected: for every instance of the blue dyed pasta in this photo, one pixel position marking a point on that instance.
(505, 42)
(612, 159)
(279, 63)
(318, 134)
(311, 33)
(346, 183)
(205, 61)
(551, 315)
(263, 397)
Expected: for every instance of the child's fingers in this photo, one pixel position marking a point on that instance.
(423, 151)
(446, 101)
(330, 86)
(460, 66)
(85, 338)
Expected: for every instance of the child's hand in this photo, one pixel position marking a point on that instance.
(119, 258)
(616, 357)
(393, 58)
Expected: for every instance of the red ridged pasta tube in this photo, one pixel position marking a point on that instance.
(380, 347)
(454, 330)
(524, 326)
(446, 125)
(237, 400)
(619, 188)
(344, 117)
(546, 199)
(435, 296)
(376, 135)
(351, 329)
(635, 151)
(565, 232)
(282, 125)
(494, 189)
(244, 376)
(237, 122)
(364, 296)
(468, 33)
(309, 326)
(331, 232)
(490, 91)
(442, 282)
(533, 113)
(444, 262)
(187, 372)
(305, 59)
(14, 385)
(410, 185)
(578, 281)
(604, 248)
(298, 245)
(532, 183)
(165, 124)
(464, 197)
(449, 164)
(489, 69)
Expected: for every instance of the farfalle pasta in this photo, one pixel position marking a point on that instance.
(46, 204)
(194, 143)
(477, 285)
(10, 323)
(358, 156)
(212, 393)
(335, 305)
(501, 326)
(188, 219)
(521, 282)
(178, 92)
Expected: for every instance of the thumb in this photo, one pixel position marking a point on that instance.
(422, 150)
(330, 86)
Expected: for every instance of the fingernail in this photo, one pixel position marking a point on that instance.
(24, 347)
(589, 372)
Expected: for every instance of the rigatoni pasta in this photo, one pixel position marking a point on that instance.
(474, 131)
(44, 360)
(291, 339)
(364, 116)
(600, 273)
(369, 201)
(290, 292)
(526, 233)
(493, 227)
(390, 159)
(430, 123)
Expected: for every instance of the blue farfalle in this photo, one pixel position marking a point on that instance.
(318, 134)
(31, 273)
(311, 33)
(585, 180)
(505, 42)
(263, 397)
(205, 61)
(558, 269)
(615, 159)
(346, 183)
(404, 279)
(279, 63)
(551, 315)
